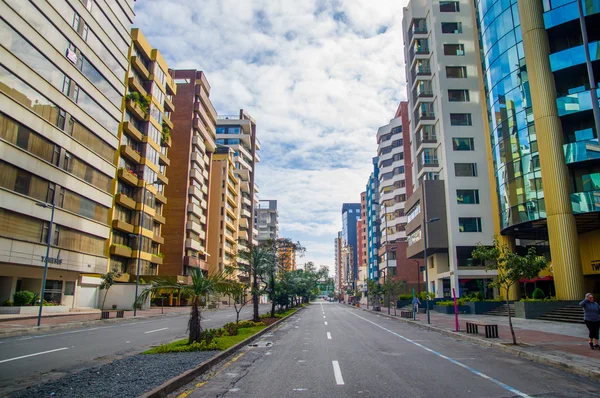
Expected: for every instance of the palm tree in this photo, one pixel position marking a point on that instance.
(202, 287)
(254, 261)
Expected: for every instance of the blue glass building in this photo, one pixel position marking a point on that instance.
(350, 215)
(372, 222)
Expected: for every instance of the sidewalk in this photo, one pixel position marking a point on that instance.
(552, 343)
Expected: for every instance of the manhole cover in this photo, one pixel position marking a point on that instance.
(261, 344)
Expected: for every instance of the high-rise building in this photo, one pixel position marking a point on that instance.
(544, 152)
(62, 81)
(287, 256)
(372, 222)
(224, 213)
(350, 216)
(337, 242)
(267, 220)
(361, 241)
(137, 215)
(446, 127)
(186, 233)
(239, 133)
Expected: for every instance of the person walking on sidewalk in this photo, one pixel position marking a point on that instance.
(591, 316)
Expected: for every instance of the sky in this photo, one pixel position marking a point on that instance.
(318, 76)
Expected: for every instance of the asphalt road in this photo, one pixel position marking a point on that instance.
(331, 350)
(26, 360)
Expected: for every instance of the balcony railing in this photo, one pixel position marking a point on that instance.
(582, 151)
(585, 202)
(230, 117)
(425, 139)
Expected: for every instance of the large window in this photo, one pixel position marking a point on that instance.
(467, 196)
(465, 169)
(86, 172)
(456, 72)
(460, 119)
(25, 183)
(414, 237)
(21, 136)
(454, 49)
(449, 6)
(463, 144)
(458, 95)
(469, 224)
(452, 27)
(76, 203)
(90, 140)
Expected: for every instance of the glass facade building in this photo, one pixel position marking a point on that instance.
(372, 222)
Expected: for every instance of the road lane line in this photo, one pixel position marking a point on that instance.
(325, 323)
(157, 330)
(324, 317)
(462, 365)
(328, 336)
(337, 373)
(33, 355)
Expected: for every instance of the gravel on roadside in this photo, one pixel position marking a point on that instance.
(128, 377)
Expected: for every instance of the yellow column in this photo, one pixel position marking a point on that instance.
(562, 231)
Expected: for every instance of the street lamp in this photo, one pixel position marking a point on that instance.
(431, 220)
(48, 242)
(139, 244)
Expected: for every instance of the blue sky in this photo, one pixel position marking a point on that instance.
(319, 77)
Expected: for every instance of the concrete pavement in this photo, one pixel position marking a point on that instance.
(334, 351)
(26, 360)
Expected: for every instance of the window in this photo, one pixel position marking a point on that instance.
(458, 95)
(467, 196)
(463, 144)
(456, 72)
(454, 49)
(449, 6)
(414, 237)
(465, 169)
(469, 224)
(452, 27)
(460, 119)
(69, 288)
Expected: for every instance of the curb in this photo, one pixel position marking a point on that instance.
(556, 362)
(43, 328)
(187, 377)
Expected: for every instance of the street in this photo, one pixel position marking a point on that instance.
(333, 350)
(26, 360)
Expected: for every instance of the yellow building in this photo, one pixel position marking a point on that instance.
(142, 160)
(224, 213)
(287, 256)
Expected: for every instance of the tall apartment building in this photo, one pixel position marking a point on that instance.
(239, 133)
(267, 220)
(361, 240)
(350, 216)
(287, 256)
(446, 126)
(373, 222)
(193, 140)
(137, 215)
(544, 152)
(337, 243)
(224, 212)
(62, 81)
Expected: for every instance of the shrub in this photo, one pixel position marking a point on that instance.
(23, 297)
(538, 294)
(208, 335)
(8, 303)
(248, 324)
(231, 329)
(195, 346)
(405, 297)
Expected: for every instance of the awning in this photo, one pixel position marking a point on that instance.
(538, 279)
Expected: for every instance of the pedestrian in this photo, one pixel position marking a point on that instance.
(591, 316)
(416, 303)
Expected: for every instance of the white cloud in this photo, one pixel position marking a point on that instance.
(318, 76)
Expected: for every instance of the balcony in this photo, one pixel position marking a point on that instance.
(195, 191)
(585, 202)
(198, 159)
(195, 262)
(203, 204)
(204, 189)
(195, 209)
(160, 198)
(163, 178)
(163, 159)
(135, 85)
(135, 110)
(120, 250)
(122, 226)
(429, 162)
(425, 139)
(194, 226)
(243, 222)
(131, 154)
(168, 122)
(205, 174)
(243, 234)
(417, 27)
(156, 259)
(196, 175)
(158, 239)
(574, 103)
(582, 151)
(128, 176)
(132, 131)
(199, 143)
(245, 213)
(169, 107)
(160, 219)
(125, 201)
(193, 244)
(140, 67)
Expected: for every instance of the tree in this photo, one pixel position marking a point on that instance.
(108, 280)
(374, 291)
(238, 294)
(254, 261)
(511, 268)
(201, 288)
(393, 289)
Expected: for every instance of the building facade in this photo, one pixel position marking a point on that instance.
(224, 213)
(373, 222)
(287, 256)
(361, 241)
(337, 243)
(447, 137)
(267, 220)
(350, 216)
(140, 183)
(193, 139)
(238, 132)
(60, 111)
(543, 128)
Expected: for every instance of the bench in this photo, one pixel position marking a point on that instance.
(491, 330)
(406, 314)
(106, 313)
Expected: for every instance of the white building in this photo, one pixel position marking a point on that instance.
(448, 141)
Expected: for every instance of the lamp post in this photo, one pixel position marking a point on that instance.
(139, 244)
(48, 242)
